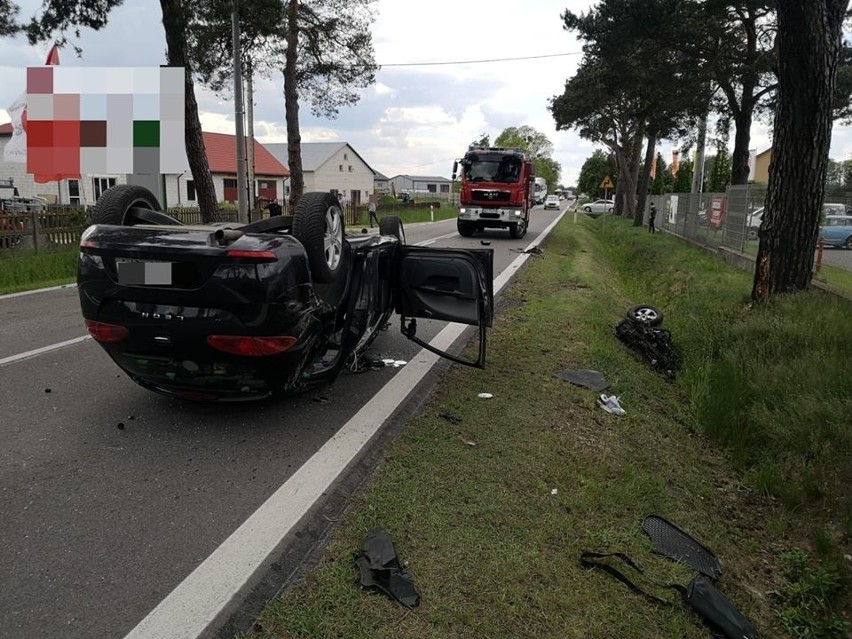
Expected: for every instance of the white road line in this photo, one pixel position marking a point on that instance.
(41, 351)
(217, 582)
(38, 290)
(435, 239)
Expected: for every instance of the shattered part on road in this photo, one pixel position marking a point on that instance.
(585, 377)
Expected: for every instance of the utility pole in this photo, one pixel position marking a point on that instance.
(250, 124)
(239, 114)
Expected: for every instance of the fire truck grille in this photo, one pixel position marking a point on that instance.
(491, 196)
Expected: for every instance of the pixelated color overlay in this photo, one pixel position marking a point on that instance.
(91, 120)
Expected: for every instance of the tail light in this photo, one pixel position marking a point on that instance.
(106, 333)
(253, 255)
(251, 346)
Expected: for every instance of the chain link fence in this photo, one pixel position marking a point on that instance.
(729, 219)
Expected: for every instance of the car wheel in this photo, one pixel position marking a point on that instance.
(392, 225)
(609, 209)
(116, 201)
(465, 229)
(646, 315)
(752, 233)
(848, 243)
(518, 230)
(587, 209)
(318, 225)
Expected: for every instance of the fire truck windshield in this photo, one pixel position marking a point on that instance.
(493, 168)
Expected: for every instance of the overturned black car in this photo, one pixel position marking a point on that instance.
(232, 311)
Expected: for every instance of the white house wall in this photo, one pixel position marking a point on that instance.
(335, 174)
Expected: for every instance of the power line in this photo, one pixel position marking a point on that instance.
(529, 57)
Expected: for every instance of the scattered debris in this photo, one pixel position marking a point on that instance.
(47, 390)
(453, 419)
(485, 242)
(670, 541)
(554, 491)
(321, 399)
(120, 425)
(394, 363)
(533, 250)
(469, 442)
(585, 377)
(380, 567)
(485, 395)
(611, 405)
(640, 331)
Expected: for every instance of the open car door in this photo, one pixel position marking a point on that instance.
(454, 285)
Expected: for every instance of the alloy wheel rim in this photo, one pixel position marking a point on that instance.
(333, 237)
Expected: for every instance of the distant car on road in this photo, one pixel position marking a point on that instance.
(599, 206)
(837, 231)
(551, 202)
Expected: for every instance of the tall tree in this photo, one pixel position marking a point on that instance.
(659, 185)
(596, 167)
(537, 147)
(809, 49)
(8, 16)
(644, 87)
(720, 169)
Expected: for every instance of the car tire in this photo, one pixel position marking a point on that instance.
(609, 210)
(587, 209)
(114, 203)
(518, 230)
(646, 315)
(848, 243)
(465, 229)
(392, 225)
(318, 224)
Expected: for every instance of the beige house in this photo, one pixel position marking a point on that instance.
(761, 166)
(332, 167)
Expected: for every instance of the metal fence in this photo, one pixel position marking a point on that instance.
(716, 219)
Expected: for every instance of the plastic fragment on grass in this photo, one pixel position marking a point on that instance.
(585, 377)
(450, 417)
(554, 491)
(380, 567)
(485, 396)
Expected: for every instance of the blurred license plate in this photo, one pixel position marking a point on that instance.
(136, 273)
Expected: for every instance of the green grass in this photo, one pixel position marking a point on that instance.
(469, 505)
(412, 216)
(27, 270)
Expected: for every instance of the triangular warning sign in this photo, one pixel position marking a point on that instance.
(606, 183)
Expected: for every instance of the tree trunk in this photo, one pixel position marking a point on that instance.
(809, 43)
(626, 180)
(635, 164)
(645, 180)
(291, 107)
(742, 139)
(174, 25)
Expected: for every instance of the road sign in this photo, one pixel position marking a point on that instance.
(606, 183)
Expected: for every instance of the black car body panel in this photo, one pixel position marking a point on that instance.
(172, 289)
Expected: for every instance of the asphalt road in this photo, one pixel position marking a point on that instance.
(111, 495)
(841, 258)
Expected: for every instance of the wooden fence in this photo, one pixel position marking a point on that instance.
(62, 226)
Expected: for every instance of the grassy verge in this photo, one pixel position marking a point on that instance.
(491, 513)
(27, 270)
(412, 216)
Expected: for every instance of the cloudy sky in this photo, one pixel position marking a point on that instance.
(416, 119)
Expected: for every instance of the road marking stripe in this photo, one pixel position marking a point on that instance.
(41, 351)
(215, 584)
(38, 290)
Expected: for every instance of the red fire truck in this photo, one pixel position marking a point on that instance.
(496, 190)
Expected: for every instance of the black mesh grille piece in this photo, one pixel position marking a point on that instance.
(672, 542)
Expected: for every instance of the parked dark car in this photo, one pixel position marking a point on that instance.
(232, 311)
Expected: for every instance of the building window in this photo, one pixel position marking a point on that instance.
(190, 191)
(350, 168)
(445, 188)
(431, 188)
(101, 184)
(340, 167)
(74, 192)
(345, 156)
(229, 183)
